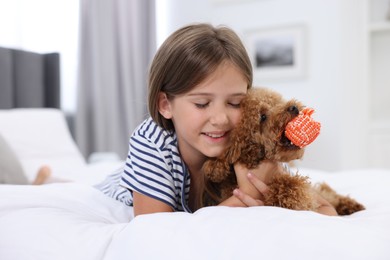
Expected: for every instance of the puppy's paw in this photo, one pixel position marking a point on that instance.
(348, 206)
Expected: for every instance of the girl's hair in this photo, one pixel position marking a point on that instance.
(188, 57)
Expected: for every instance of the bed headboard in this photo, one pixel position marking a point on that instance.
(29, 79)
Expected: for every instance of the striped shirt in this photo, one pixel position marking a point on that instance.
(153, 168)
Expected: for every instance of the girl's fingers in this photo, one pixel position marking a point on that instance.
(260, 186)
(246, 199)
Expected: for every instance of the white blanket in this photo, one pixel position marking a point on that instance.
(75, 221)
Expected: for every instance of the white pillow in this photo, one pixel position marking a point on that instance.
(40, 136)
(11, 171)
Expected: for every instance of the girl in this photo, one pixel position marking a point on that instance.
(197, 80)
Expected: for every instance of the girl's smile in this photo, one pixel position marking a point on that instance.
(216, 136)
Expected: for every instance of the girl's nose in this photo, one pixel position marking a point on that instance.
(219, 117)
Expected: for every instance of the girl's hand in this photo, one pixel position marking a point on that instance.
(242, 198)
(252, 182)
(325, 207)
(248, 199)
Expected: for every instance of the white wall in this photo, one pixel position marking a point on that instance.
(45, 26)
(333, 82)
(330, 76)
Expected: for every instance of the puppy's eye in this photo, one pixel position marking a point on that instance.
(263, 117)
(293, 110)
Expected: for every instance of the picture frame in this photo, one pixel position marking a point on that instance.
(278, 53)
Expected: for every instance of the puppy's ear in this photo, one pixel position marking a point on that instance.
(234, 152)
(164, 106)
(244, 131)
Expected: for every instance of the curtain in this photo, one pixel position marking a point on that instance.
(117, 43)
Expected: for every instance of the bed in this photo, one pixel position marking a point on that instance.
(73, 220)
(70, 219)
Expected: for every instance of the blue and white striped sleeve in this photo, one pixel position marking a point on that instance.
(148, 171)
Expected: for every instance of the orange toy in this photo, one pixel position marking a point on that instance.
(303, 129)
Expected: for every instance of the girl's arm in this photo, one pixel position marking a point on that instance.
(143, 204)
(252, 187)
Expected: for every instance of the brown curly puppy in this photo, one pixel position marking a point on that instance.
(260, 136)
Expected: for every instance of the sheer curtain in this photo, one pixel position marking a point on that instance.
(117, 42)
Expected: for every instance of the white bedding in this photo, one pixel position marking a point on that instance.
(75, 221)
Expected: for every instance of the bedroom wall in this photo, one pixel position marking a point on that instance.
(331, 74)
(333, 80)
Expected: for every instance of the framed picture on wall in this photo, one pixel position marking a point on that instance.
(277, 53)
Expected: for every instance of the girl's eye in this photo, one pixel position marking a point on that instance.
(235, 105)
(199, 105)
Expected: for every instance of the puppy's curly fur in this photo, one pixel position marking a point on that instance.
(260, 136)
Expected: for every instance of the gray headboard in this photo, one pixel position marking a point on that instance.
(29, 79)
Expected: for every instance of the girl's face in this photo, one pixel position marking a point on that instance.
(205, 116)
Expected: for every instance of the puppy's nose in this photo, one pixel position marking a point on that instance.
(293, 110)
